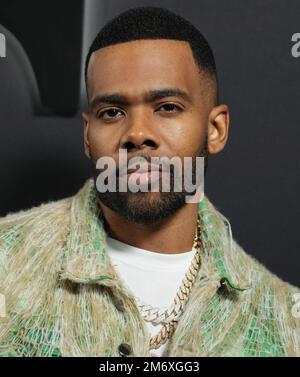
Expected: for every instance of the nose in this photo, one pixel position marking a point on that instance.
(139, 134)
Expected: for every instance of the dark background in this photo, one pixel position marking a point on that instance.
(254, 182)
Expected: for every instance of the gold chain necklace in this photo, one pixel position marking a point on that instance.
(169, 317)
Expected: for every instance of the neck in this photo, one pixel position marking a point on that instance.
(173, 235)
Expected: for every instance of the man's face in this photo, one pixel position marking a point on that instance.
(147, 97)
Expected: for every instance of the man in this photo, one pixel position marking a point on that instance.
(141, 273)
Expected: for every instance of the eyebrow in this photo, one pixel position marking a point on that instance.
(151, 96)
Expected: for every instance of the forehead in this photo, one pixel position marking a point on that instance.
(137, 66)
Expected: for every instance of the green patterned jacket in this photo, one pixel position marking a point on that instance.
(63, 297)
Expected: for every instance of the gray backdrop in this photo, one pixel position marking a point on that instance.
(254, 182)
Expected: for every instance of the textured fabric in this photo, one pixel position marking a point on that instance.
(63, 296)
(152, 277)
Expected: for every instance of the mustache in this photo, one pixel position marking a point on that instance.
(138, 160)
(202, 152)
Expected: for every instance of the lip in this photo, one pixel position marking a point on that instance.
(141, 170)
(142, 175)
(151, 168)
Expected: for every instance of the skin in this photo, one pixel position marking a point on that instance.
(155, 126)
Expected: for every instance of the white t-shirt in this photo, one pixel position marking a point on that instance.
(152, 277)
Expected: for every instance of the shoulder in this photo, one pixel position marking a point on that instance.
(273, 305)
(269, 306)
(241, 264)
(23, 229)
(34, 216)
(261, 275)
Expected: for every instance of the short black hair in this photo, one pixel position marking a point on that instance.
(156, 23)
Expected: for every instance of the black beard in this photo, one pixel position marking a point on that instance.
(146, 207)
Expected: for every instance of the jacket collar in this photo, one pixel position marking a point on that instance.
(85, 258)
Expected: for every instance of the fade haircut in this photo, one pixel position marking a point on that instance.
(157, 23)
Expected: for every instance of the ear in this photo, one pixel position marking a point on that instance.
(218, 125)
(86, 143)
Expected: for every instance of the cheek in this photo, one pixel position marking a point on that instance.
(102, 141)
(187, 138)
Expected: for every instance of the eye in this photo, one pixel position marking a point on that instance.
(109, 113)
(170, 108)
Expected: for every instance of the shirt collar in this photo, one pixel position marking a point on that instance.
(85, 258)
